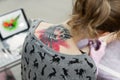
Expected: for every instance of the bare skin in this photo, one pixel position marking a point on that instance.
(72, 49)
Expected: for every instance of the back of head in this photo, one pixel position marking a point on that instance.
(95, 15)
(112, 23)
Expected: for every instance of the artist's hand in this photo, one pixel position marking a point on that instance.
(97, 47)
(98, 51)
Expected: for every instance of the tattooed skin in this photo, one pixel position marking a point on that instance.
(54, 37)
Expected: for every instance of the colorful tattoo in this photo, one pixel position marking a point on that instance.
(54, 37)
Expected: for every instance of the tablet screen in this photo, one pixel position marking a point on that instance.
(12, 23)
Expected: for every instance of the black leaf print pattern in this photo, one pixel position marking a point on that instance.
(80, 72)
(26, 47)
(62, 57)
(65, 71)
(90, 64)
(21, 73)
(21, 65)
(89, 78)
(76, 60)
(42, 72)
(29, 73)
(42, 56)
(36, 63)
(41, 46)
(63, 76)
(24, 68)
(33, 49)
(35, 77)
(95, 71)
(52, 74)
(33, 39)
(27, 60)
(55, 59)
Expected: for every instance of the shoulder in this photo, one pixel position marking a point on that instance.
(43, 25)
(49, 29)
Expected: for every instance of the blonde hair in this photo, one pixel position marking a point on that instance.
(89, 16)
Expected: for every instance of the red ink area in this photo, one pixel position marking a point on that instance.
(63, 43)
(55, 45)
(41, 33)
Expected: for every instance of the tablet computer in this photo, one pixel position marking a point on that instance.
(12, 23)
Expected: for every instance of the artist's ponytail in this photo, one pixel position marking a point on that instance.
(89, 14)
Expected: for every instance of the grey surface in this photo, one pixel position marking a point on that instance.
(53, 11)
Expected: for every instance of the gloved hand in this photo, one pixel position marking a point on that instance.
(97, 49)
